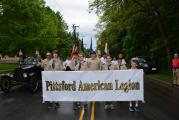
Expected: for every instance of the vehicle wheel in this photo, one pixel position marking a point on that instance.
(5, 84)
(34, 84)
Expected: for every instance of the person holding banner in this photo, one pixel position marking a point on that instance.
(45, 64)
(135, 107)
(93, 62)
(74, 62)
(109, 66)
(81, 66)
(55, 64)
(73, 67)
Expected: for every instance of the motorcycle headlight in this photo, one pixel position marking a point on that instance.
(25, 75)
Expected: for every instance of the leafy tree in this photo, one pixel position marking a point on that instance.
(139, 27)
(30, 25)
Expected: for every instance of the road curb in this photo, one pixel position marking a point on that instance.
(168, 84)
(161, 81)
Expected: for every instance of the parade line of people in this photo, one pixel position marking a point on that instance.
(80, 63)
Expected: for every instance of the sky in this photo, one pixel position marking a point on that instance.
(77, 12)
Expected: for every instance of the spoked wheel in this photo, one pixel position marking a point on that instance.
(5, 84)
(34, 84)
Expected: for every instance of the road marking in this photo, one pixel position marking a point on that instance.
(82, 113)
(92, 111)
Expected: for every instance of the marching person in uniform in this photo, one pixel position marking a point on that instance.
(175, 67)
(121, 62)
(38, 60)
(67, 64)
(109, 66)
(46, 61)
(55, 64)
(74, 62)
(45, 64)
(81, 66)
(114, 61)
(94, 63)
(103, 59)
(135, 107)
(73, 67)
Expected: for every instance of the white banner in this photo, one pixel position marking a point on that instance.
(118, 85)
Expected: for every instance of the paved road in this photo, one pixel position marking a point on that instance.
(162, 103)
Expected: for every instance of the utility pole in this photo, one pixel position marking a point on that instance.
(74, 33)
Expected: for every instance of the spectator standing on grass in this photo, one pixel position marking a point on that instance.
(175, 68)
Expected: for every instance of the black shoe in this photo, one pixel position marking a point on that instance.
(50, 105)
(85, 106)
(136, 109)
(75, 108)
(76, 105)
(57, 105)
(131, 109)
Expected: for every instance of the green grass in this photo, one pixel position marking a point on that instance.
(162, 75)
(6, 66)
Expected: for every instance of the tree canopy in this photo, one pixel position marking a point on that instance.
(139, 27)
(30, 25)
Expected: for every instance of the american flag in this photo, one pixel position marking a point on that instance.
(74, 50)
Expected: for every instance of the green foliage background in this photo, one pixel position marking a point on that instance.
(139, 28)
(30, 25)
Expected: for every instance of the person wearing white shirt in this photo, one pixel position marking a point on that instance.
(121, 62)
(134, 107)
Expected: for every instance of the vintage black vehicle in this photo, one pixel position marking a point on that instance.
(147, 64)
(27, 74)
